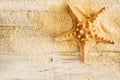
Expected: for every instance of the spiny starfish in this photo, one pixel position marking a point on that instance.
(82, 32)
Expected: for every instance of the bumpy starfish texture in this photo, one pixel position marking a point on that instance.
(82, 31)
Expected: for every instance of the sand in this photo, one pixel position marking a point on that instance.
(27, 45)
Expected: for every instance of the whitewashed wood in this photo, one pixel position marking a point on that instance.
(23, 67)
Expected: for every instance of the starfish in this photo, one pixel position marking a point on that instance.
(82, 32)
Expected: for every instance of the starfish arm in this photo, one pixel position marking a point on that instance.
(65, 36)
(76, 12)
(103, 40)
(73, 17)
(85, 24)
(82, 50)
(92, 19)
(101, 10)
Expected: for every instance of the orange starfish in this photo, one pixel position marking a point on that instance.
(82, 32)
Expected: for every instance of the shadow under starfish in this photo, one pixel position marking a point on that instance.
(82, 32)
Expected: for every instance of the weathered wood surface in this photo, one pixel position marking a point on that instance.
(27, 29)
(22, 67)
